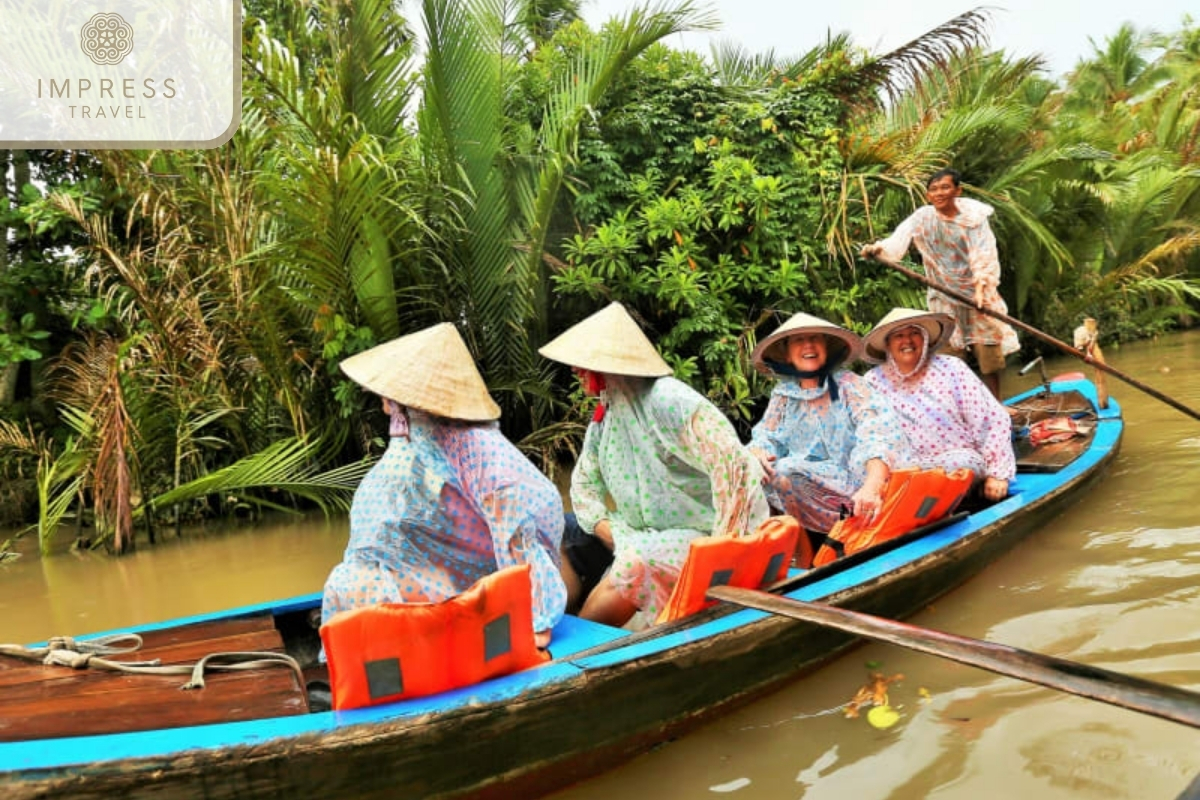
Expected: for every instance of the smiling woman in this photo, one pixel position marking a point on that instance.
(949, 417)
(825, 442)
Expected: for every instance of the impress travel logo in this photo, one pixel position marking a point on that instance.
(107, 39)
(119, 74)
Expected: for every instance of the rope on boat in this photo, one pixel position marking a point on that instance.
(240, 661)
(100, 645)
(65, 651)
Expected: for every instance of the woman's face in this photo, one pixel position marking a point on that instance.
(904, 345)
(807, 351)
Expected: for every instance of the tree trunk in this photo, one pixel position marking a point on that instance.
(8, 384)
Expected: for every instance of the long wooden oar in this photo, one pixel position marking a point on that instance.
(1045, 337)
(1114, 688)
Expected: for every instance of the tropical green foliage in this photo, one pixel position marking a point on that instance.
(1136, 99)
(17, 339)
(231, 281)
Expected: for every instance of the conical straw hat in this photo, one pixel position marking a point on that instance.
(938, 326)
(430, 370)
(608, 341)
(843, 345)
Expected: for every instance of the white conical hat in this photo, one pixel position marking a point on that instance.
(431, 370)
(608, 341)
(938, 326)
(845, 344)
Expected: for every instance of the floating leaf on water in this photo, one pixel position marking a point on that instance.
(882, 717)
(925, 695)
(873, 664)
(873, 693)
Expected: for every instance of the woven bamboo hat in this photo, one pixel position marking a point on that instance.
(843, 347)
(938, 326)
(608, 341)
(430, 370)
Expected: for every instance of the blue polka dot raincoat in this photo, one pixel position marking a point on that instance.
(446, 505)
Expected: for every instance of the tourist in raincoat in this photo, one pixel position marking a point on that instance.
(665, 456)
(451, 500)
(827, 442)
(949, 417)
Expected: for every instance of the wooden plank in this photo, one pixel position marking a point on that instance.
(1054, 456)
(1038, 407)
(173, 646)
(29, 675)
(138, 703)
(48, 702)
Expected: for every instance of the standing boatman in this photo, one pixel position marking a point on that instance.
(958, 250)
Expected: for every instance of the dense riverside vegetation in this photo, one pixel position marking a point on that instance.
(171, 321)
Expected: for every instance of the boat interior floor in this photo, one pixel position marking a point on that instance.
(1053, 455)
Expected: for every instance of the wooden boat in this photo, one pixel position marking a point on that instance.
(607, 695)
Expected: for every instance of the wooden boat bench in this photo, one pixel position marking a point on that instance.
(39, 701)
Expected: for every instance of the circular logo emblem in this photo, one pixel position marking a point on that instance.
(106, 38)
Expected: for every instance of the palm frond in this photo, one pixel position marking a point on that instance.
(737, 66)
(285, 466)
(578, 92)
(60, 480)
(929, 55)
(16, 440)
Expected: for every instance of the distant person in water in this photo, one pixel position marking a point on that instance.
(948, 416)
(451, 500)
(958, 250)
(665, 456)
(827, 442)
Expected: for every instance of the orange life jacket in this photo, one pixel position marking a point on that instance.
(748, 562)
(388, 651)
(912, 498)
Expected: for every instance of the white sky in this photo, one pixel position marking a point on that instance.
(1058, 30)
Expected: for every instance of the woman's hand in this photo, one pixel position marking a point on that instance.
(869, 497)
(867, 500)
(766, 460)
(995, 489)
